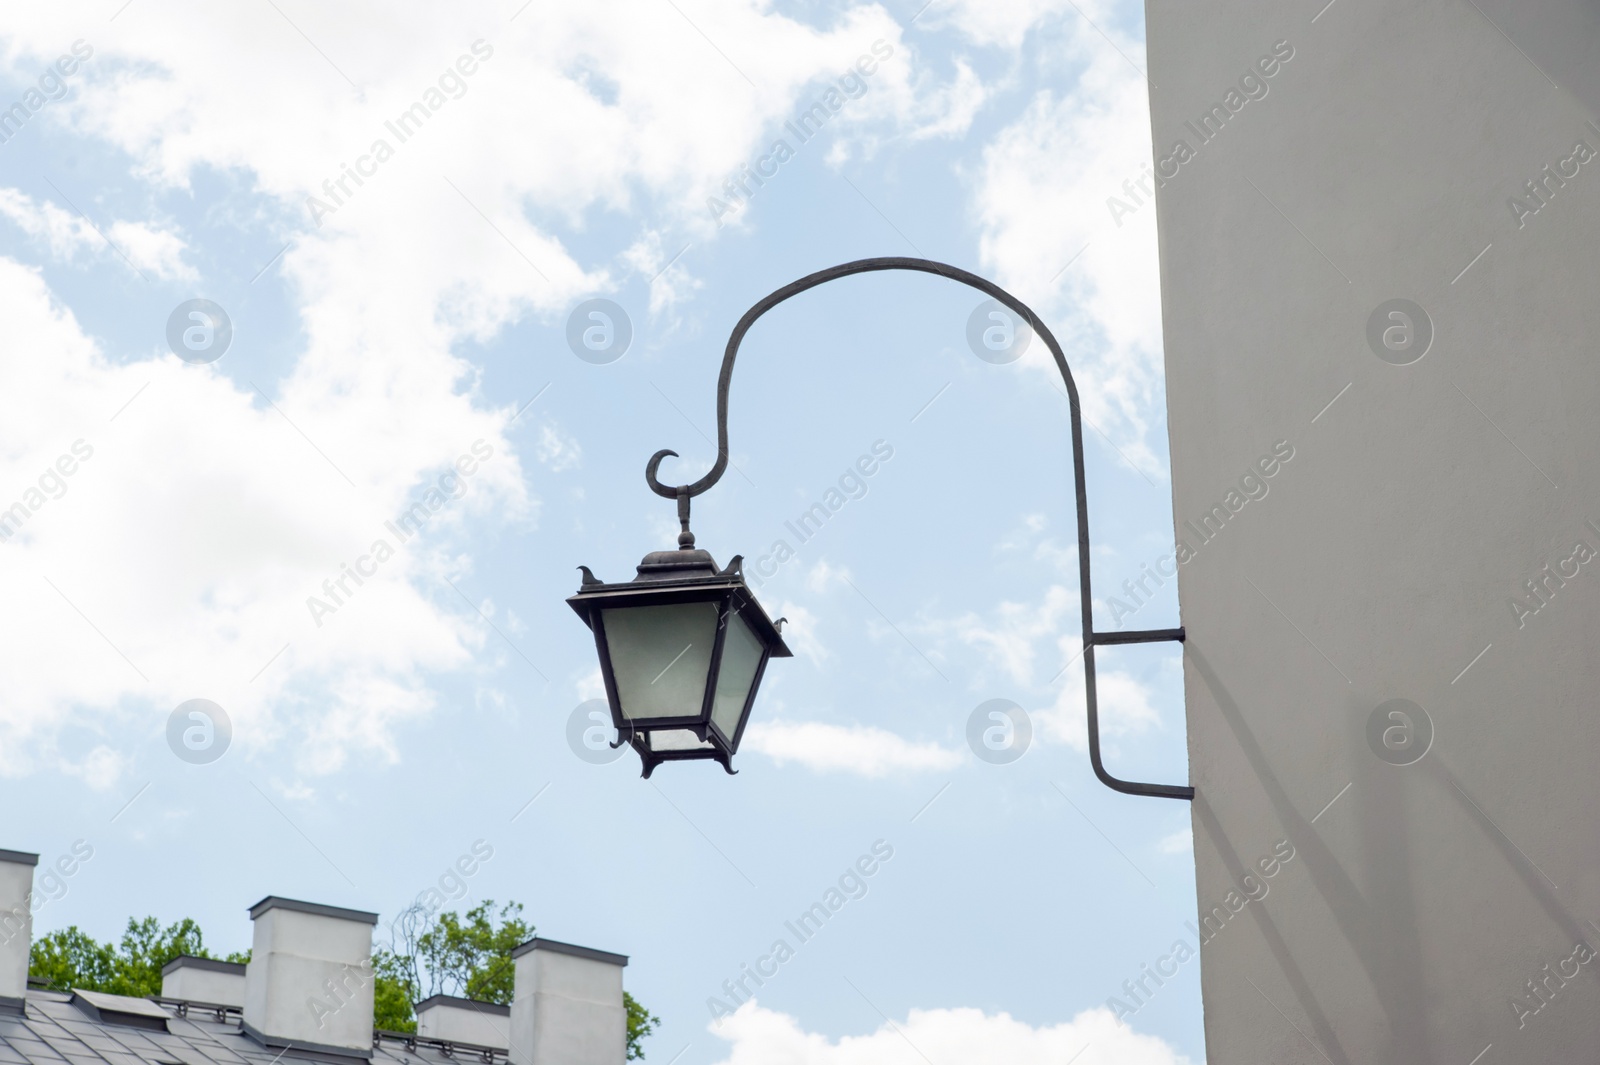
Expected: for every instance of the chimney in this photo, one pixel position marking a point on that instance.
(465, 1020)
(16, 926)
(203, 980)
(309, 981)
(567, 1007)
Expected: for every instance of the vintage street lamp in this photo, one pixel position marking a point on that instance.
(683, 645)
(682, 649)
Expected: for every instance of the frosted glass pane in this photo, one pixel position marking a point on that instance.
(741, 655)
(674, 739)
(661, 656)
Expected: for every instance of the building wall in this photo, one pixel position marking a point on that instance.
(1386, 158)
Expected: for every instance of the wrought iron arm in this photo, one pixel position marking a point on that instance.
(1091, 639)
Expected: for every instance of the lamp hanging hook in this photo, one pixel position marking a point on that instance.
(682, 493)
(650, 468)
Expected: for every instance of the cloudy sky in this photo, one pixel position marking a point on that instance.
(398, 209)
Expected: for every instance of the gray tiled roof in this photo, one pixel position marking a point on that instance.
(55, 1031)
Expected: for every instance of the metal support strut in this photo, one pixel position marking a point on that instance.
(1091, 639)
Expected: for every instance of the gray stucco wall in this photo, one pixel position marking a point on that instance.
(1385, 557)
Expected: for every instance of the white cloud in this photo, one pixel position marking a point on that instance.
(920, 108)
(154, 250)
(196, 533)
(860, 749)
(822, 576)
(101, 768)
(991, 23)
(995, 23)
(1042, 196)
(592, 685)
(671, 282)
(612, 103)
(62, 231)
(1033, 644)
(299, 791)
(1126, 710)
(1037, 644)
(189, 535)
(1178, 843)
(1006, 23)
(1030, 539)
(66, 233)
(1094, 1037)
(557, 450)
(952, 109)
(1011, 639)
(800, 632)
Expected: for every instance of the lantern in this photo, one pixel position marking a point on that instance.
(682, 649)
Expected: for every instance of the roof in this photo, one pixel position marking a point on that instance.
(56, 1030)
(277, 902)
(475, 1005)
(210, 965)
(555, 946)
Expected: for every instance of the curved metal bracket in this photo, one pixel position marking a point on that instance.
(1091, 639)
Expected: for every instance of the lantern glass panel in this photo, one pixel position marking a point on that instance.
(660, 657)
(675, 739)
(741, 657)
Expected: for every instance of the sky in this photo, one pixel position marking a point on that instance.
(395, 218)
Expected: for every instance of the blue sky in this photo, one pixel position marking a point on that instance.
(376, 343)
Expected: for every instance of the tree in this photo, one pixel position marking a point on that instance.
(439, 954)
(70, 957)
(640, 1024)
(470, 957)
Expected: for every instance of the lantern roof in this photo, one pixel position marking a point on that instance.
(679, 575)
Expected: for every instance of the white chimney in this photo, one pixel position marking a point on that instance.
(16, 926)
(203, 980)
(566, 1007)
(465, 1020)
(309, 981)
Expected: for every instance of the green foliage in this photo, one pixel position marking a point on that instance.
(70, 957)
(393, 993)
(640, 1024)
(446, 954)
(470, 957)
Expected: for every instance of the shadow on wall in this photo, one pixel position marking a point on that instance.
(1381, 926)
(1396, 979)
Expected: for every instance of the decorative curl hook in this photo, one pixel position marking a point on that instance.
(666, 491)
(681, 493)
